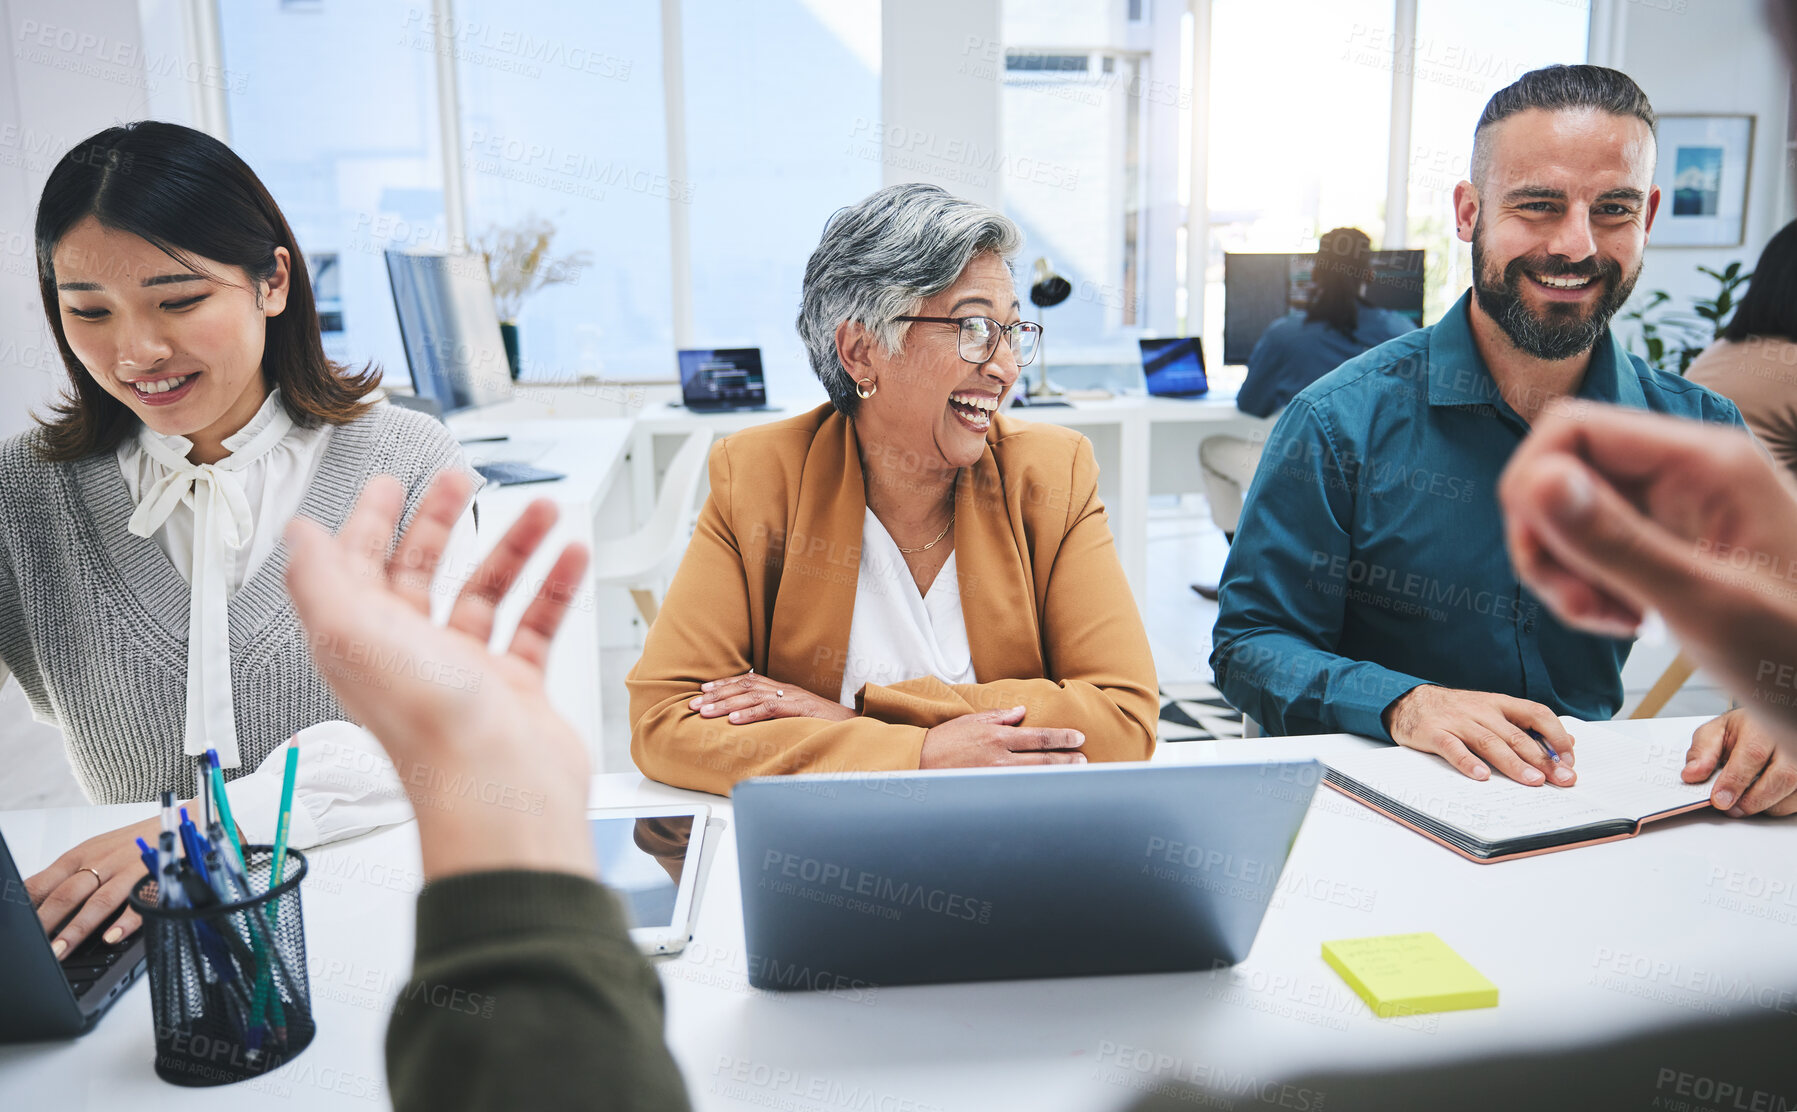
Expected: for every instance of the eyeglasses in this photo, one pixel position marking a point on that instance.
(980, 336)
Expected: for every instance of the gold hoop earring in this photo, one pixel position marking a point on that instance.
(867, 388)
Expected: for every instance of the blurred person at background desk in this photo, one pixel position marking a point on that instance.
(1292, 353)
(906, 577)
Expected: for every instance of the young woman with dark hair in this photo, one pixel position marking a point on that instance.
(142, 606)
(1754, 364)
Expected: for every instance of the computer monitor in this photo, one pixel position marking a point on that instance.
(450, 329)
(714, 379)
(1259, 288)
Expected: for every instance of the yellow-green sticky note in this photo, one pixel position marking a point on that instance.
(1408, 974)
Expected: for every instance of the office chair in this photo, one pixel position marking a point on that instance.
(636, 561)
(1665, 687)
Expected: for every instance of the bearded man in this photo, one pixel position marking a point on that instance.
(1368, 590)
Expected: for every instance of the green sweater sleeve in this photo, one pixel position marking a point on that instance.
(526, 992)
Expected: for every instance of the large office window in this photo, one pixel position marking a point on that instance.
(1464, 54)
(779, 98)
(563, 121)
(1073, 182)
(1300, 122)
(352, 181)
(1078, 85)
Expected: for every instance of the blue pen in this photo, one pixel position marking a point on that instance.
(191, 846)
(152, 862)
(185, 830)
(1545, 747)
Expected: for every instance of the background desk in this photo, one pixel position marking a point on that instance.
(590, 453)
(1133, 438)
(1694, 918)
(1136, 439)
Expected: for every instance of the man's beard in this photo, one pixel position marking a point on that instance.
(1559, 332)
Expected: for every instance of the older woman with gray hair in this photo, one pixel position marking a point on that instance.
(906, 577)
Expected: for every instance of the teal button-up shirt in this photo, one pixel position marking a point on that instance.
(1370, 556)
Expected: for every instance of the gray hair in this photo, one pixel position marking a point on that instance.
(880, 258)
(1559, 87)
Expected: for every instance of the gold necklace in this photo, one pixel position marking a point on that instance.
(932, 544)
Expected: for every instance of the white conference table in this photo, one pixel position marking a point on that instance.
(1694, 918)
(1122, 430)
(590, 453)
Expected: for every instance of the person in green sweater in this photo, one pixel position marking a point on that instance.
(511, 910)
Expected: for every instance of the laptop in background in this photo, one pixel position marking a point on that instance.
(722, 380)
(49, 999)
(1174, 368)
(993, 874)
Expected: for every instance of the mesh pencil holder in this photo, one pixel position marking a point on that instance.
(228, 983)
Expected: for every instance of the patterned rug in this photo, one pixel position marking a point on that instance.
(1197, 712)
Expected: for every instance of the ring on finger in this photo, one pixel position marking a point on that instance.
(779, 694)
(99, 881)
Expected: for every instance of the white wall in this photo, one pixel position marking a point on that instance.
(67, 71)
(1712, 57)
(940, 67)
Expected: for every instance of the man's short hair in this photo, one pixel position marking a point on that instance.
(1559, 87)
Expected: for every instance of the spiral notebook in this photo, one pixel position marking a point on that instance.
(1624, 783)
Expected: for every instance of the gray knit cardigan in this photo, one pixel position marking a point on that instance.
(93, 619)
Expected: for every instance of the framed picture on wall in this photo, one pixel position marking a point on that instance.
(1702, 174)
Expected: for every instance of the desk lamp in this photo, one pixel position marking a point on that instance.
(1046, 289)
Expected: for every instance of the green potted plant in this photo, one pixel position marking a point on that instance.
(1670, 339)
(519, 264)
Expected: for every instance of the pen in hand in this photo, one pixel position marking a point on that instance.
(1561, 775)
(1552, 755)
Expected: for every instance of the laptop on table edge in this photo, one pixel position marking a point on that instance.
(992, 874)
(46, 998)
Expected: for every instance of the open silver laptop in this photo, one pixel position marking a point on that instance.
(988, 874)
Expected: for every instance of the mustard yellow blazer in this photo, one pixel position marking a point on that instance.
(769, 582)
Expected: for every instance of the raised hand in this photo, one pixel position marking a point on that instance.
(1610, 513)
(497, 778)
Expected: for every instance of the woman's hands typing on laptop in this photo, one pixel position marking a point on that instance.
(86, 885)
